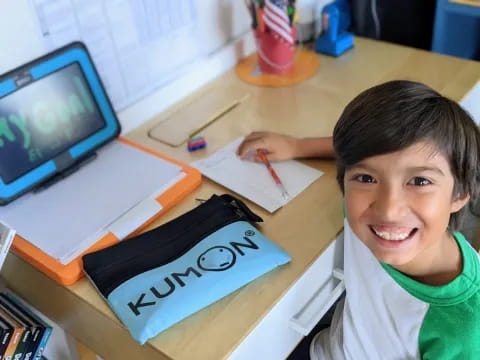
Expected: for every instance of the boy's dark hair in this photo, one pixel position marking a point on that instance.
(394, 115)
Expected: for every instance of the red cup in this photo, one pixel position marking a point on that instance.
(275, 54)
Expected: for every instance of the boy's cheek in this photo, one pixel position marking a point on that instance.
(434, 210)
(356, 202)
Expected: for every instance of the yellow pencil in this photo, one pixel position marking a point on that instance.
(217, 116)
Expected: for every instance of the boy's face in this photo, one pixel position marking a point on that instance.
(399, 204)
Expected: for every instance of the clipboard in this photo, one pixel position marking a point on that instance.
(54, 116)
(215, 104)
(73, 271)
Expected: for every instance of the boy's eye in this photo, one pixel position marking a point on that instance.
(419, 181)
(365, 178)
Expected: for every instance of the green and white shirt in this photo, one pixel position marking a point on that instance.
(387, 315)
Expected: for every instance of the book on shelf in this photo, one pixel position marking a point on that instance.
(23, 348)
(6, 334)
(15, 346)
(29, 333)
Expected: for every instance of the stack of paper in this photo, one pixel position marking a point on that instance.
(67, 218)
(252, 180)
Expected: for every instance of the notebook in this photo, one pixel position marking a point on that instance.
(51, 242)
(252, 180)
(69, 217)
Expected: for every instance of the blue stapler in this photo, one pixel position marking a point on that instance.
(335, 38)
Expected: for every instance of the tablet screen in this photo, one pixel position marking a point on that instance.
(45, 118)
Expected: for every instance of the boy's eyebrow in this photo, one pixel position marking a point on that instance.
(411, 169)
(363, 166)
(427, 168)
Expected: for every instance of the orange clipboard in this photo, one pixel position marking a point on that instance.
(72, 272)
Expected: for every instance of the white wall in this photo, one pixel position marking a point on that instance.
(225, 27)
(19, 41)
(223, 23)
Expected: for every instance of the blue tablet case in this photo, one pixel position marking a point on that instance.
(54, 114)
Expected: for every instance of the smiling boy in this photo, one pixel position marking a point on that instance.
(399, 205)
(407, 164)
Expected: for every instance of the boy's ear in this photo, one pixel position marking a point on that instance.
(459, 202)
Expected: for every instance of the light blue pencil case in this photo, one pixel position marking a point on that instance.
(160, 277)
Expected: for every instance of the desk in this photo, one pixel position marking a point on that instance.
(304, 228)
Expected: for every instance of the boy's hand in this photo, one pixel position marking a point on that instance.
(277, 147)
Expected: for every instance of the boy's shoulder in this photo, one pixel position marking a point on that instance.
(466, 247)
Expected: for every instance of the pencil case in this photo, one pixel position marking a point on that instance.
(160, 277)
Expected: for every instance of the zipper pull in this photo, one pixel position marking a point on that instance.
(241, 209)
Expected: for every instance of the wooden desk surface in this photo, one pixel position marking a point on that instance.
(304, 228)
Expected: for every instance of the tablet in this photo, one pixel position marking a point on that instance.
(54, 114)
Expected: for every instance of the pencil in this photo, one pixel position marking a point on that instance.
(273, 174)
(218, 116)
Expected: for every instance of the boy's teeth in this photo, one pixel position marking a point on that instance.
(391, 236)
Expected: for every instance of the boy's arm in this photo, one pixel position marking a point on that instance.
(284, 147)
(315, 147)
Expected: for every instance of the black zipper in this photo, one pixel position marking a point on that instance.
(161, 245)
(107, 281)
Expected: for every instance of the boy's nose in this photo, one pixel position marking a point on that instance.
(390, 203)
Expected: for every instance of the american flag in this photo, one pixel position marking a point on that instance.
(276, 18)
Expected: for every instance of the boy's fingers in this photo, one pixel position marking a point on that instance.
(242, 148)
(250, 145)
(270, 157)
(255, 158)
(255, 136)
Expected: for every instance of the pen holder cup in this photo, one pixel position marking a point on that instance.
(275, 54)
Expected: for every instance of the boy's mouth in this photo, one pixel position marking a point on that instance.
(393, 236)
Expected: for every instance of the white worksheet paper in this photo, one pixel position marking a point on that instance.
(70, 216)
(252, 180)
